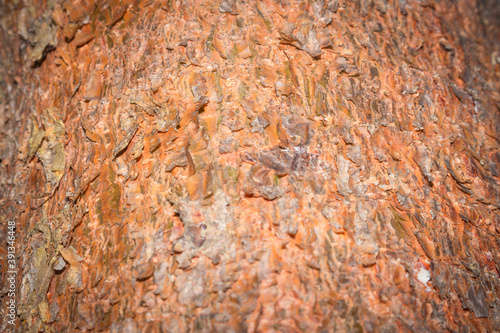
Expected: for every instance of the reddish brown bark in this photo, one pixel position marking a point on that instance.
(261, 166)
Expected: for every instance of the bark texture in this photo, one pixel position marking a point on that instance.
(260, 166)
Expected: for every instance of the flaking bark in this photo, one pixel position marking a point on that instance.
(251, 166)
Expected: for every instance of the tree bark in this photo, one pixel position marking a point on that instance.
(250, 166)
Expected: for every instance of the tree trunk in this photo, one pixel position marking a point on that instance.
(250, 166)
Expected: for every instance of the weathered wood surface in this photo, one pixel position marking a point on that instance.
(260, 166)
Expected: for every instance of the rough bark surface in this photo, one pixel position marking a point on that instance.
(260, 166)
